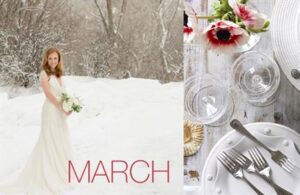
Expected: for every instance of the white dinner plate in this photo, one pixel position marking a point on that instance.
(217, 180)
(285, 29)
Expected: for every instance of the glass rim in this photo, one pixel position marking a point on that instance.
(250, 55)
(189, 111)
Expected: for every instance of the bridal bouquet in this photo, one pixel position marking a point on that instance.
(70, 104)
(232, 22)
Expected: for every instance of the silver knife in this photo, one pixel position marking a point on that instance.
(297, 148)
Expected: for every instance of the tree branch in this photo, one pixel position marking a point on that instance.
(1, 2)
(110, 16)
(102, 16)
(130, 51)
(174, 14)
(39, 19)
(123, 10)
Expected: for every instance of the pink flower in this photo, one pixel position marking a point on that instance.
(224, 36)
(254, 21)
(188, 34)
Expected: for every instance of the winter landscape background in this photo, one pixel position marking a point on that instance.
(98, 38)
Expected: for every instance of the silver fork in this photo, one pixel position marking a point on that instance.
(277, 156)
(262, 170)
(235, 169)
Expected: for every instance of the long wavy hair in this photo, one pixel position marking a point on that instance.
(58, 72)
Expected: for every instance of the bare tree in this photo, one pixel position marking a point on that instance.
(166, 15)
(160, 16)
(27, 28)
(117, 46)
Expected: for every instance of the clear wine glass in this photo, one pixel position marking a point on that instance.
(207, 100)
(257, 76)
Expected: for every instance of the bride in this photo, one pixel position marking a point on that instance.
(46, 170)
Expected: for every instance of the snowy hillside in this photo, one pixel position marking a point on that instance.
(127, 119)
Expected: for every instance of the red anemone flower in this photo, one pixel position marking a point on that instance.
(224, 36)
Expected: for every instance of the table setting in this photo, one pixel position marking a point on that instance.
(234, 150)
(242, 86)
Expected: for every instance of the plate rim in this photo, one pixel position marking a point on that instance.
(285, 59)
(231, 132)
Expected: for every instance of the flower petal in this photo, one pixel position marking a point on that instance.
(252, 19)
(224, 36)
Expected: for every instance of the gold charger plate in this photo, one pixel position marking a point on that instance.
(193, 136)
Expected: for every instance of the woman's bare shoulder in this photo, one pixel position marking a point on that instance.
(44, 76)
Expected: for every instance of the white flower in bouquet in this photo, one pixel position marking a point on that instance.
(224, 36)
(253, 20)
(76, 101)
(67, 106)
(70, 104)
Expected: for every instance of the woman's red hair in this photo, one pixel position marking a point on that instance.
(58, 69)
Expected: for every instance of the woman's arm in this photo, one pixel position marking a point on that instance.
(44, 81)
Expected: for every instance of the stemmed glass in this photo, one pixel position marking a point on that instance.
(257, 76)
(207, 100)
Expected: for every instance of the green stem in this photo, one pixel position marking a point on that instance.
(243, 1)
(207, 17)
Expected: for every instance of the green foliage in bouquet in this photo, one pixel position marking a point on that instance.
(223, 11)
(76, 108)
(64, 97)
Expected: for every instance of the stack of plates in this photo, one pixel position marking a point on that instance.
(286, 37)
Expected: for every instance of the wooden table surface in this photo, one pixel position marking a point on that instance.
(285, 110)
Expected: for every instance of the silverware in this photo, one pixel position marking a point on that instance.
(277, 156)
(235, 169)
(245, 162)
(264, 170)
(297, 148)
(251, 167)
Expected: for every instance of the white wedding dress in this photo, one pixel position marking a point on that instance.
(46, 171)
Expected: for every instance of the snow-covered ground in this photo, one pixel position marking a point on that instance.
(129, 119)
